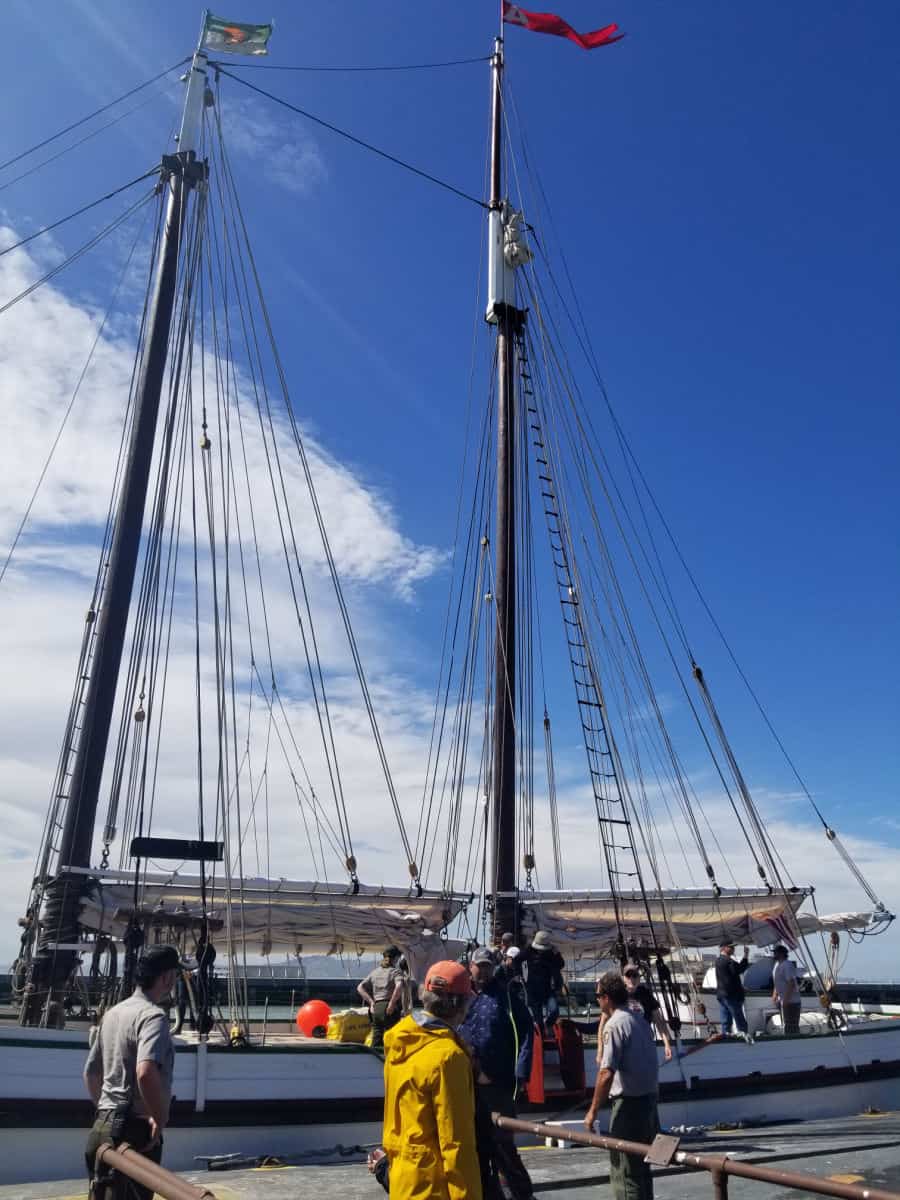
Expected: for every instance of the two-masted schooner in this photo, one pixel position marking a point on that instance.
(212, 450)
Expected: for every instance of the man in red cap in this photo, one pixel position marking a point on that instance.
(429, 1101)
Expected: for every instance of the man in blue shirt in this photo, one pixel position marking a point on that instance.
(498, 1030)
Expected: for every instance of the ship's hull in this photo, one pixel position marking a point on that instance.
(294, 1096)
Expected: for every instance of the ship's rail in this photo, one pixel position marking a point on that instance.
(665, 1151)
(135, 1166)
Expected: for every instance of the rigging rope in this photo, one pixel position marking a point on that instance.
(96, 113)
(399, 162)
(78, 212)
(457, 62)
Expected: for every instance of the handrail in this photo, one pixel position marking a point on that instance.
(128, 1161)
(720, 1166)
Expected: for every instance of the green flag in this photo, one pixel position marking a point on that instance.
(235, 36)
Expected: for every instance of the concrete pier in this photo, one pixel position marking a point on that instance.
(863, 1150)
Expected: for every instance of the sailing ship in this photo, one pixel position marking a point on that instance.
(212, 453)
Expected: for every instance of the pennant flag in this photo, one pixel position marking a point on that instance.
(235, 37)
(551, 23)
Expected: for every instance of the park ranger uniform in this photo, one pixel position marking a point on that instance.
(628, 1049)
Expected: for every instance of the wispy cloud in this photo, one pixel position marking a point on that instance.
(287, 154)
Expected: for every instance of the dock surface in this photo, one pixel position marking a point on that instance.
(863, 1150)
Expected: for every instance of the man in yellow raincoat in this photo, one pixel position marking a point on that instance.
(429, 1101)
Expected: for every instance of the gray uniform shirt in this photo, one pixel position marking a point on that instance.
(135, 1031)
(630, 1051)
(381, 982)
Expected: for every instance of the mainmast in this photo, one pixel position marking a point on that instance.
(56, 957)
(504, 254)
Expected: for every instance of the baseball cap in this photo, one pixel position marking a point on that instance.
(483, 955)
(448, 979)
(631, 968)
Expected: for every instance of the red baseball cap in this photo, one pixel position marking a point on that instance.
(448, 979)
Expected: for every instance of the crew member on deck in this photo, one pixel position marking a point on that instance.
(382, 991)
(786, 991)
(544, 981)
(730, 990)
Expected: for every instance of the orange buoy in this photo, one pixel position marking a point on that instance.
(312, 1018)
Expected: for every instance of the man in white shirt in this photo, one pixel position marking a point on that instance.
(786, 991)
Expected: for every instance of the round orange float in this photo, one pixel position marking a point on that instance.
(312, 1018)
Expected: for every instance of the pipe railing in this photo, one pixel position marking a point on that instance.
(720, 1166)
(129, 1162)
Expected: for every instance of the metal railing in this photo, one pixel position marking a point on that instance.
(129, 1162)
(665, 1151)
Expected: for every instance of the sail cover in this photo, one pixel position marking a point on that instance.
(279, 914)
(695, 917)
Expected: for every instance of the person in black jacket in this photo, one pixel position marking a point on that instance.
(730, 990)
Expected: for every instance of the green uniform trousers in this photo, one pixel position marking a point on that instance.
(634, 1119)
(110, 1185)
(382, 1021)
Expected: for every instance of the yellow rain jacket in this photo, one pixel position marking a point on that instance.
(429, 1113)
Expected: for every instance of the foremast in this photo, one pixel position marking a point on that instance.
(504, 254)
(58, 943)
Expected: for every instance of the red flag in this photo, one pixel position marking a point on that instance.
(551, 23)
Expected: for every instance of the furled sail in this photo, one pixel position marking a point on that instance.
(690, 918)
(278, 914)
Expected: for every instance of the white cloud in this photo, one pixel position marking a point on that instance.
(287, 153)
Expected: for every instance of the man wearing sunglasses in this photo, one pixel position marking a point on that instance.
(628, 1076)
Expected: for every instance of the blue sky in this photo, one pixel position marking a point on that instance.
(725, 184)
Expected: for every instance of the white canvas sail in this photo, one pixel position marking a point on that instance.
(281, 914)
(691, 918)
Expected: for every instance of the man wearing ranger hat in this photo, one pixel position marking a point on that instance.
(128, 1072)
(382, 990)
(429, 1102)
(544, 982)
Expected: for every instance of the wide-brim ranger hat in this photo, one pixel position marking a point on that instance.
(541, 940)
(448, 979)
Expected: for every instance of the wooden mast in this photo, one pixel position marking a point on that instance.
(501, 310)
(57, 952)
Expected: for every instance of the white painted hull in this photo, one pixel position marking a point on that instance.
(293, 1095)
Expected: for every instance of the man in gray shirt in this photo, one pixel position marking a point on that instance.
(128, 1072)
(628, 1075)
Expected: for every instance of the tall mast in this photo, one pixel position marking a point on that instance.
(57, 951)
(502, 312)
